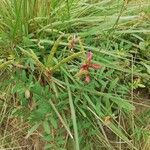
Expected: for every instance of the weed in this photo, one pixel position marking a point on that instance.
(43, 47)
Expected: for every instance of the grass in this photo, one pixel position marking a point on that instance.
(45, 102)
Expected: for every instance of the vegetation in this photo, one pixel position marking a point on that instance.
(74, 74)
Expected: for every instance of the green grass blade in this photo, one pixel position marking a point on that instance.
(73, 114)
(61, 119)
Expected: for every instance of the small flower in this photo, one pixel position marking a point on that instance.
(87, 78)
(86, 66)
(73, 41)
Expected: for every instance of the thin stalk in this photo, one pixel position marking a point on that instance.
(73, 115)
(65, 60)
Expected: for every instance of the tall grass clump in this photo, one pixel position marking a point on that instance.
(74, 74)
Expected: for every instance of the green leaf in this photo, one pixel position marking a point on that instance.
(82, 112)
(47, 138)
(147, 67)
(113, 84)
(123, 103)
(48, 146)
(141, 85)
(53, 122)
(46, 127)
(73, 115)
(23, 76)
(61, 119)
(34, 128)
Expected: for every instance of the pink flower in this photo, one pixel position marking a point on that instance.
(87, 65)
